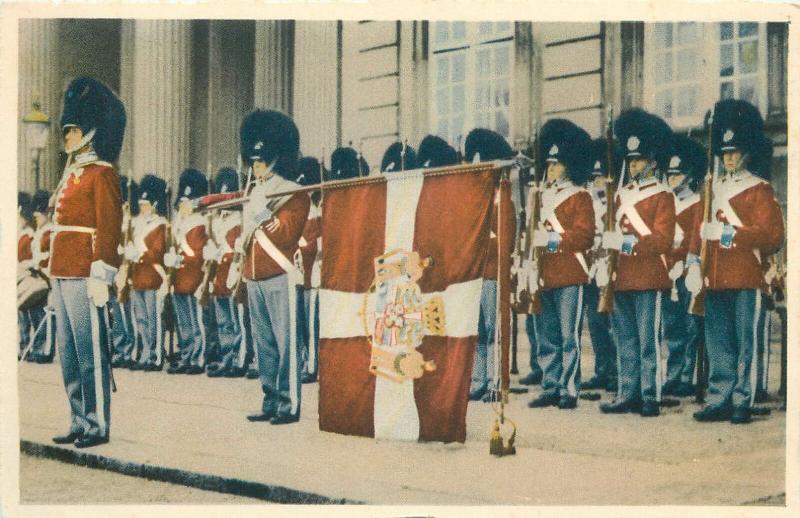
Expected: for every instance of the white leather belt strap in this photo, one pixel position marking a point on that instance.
(272, 251)
(73, 228)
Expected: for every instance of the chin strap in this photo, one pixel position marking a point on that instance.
(83, 142)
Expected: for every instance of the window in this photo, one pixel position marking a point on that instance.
(471, 66)
(689, 66)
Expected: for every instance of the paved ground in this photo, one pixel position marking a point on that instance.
(564, 457)
(44, 481)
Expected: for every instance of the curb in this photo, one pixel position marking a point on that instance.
(204, 481)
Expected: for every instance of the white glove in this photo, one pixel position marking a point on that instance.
(711, 231)
(612, 240)
(172, 260)
(211, 252)
(132, 252)
(676, 271)
(601, 272)
(316, 274)
(694, 281)
(540, 237)
(121, 278)
(98, 291)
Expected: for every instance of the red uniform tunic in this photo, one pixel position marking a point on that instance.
(309, 246)
(149, 235)
(87, 223)
(292, 215)
(509, 227)
(41, 245)
(231, 227)
(191, 237)
(24, 250)
(651, 218)
(568, 210)
(688, 215)
(755, 214)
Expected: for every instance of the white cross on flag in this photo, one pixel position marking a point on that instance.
(402, 267)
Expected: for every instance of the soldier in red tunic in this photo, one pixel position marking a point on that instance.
(229, 313)
(566, 231)
(42, 317)
(24, 262)
(482, 145)
(146, 254)
(746, 227)
(83, 253)
(687, 167)
(272, 228)
(310, 173)
(645, 230)
(190, 236)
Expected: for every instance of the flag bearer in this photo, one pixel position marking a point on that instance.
(644, 232)
(566, 232)
(272, 228)
(746, 227)
(83, 254)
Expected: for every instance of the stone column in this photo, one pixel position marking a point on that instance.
(127, 81)
(159, 109)
(315, 86)
(274, 64)
(38, 81)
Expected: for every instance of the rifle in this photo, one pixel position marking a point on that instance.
(533, 254)
(606, 302)
(168, 310)
(209, 266)
(123, 292)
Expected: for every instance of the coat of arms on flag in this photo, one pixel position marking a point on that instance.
(402, 267)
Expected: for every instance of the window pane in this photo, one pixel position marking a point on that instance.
(459, 30)
(686, 65)
(505, 94)
(442, 129)
(663, 35)
(664, 104)
(501, 123)
(458, 99)
(442, 32)
(687, 33)
(748, 29)
(663, 67)
(726, 31)
(502, 27)
(458, 67)
(443, 69)
(481, 120)
(485, 28)
(748, 90)
(442, 101)
(726, 90)
(501, 61)
(482, 95)
(457, 128)
(748, 57)
(687, 101)
(482, 63)
(726, 60)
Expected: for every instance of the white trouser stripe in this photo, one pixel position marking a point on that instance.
(202, 326)
(753, 365)
(312, 329)
(159, 333)
(135, 326)
(242, 333)
(765, 349)
(572, 389)
(293, 374)
(657, 342)
(99, 399)
(48, 314)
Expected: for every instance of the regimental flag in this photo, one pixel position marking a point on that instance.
(402, 261)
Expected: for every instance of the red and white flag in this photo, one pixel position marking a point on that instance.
(402, 261)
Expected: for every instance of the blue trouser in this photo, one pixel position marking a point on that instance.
(191, 330)
(38, 331)
(558, 329)
(147, 307)
(762, 351)
(483, 365)
(213, 351)
(605, 353)
(122, 333)
(24, 327)
(310, 327)
(731, 335)
(82, 337)
(680, 333)
(272, 322)
(637, 322)
(530, 330)
(230, 328)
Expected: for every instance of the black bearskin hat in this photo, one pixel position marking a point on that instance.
(688, 157)
(487, 145)
(436, 152)
(738, 125)
(345, 163)
(563, 141)
(192, 184)
(271, 136)
(309, 171)
(226, 180)
(393, 159)
(642, 134)
(154, 190)
(25, 205)
(92, 106)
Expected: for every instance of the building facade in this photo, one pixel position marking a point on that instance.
(187, 83)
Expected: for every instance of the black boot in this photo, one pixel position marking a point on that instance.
(713, 413)
(544, 400)
(621, 407)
